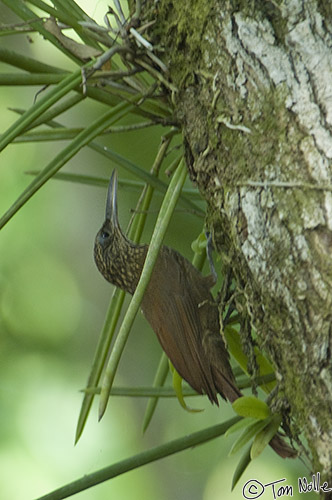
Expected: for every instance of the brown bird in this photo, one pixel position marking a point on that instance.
(178, 305)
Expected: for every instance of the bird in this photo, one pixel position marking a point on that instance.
(177, 303)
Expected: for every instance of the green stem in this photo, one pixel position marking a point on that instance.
(158, 382)
(27, 63)
(146, 457)
(12, 79)
(144, 392)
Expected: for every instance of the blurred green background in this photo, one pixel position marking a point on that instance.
(52, 306)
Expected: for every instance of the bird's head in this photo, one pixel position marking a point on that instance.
(117, 258)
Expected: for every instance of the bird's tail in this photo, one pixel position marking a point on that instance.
(226, 386)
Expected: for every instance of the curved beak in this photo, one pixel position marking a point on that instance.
(111, 203)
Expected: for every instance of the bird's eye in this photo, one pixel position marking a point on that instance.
(104, 235)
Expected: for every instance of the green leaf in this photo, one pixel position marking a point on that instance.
(27, 63)
(143, 391)
(177, 385)
(65, 134)
(159, 380)
(199, 244)
(241, 467)
(263, 437)
(235, 348)
(242, 424)
(140, 173)
(20, 79)
(249, 406)
(47, 118)
(248, 433)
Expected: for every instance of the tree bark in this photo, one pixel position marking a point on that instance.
(254, 101)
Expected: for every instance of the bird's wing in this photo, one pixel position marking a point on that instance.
(171, 305)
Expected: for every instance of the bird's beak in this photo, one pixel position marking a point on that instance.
(111, 203)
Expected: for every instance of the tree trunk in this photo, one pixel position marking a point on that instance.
(254, 100)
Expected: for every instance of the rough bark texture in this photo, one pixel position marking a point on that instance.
(254, 99)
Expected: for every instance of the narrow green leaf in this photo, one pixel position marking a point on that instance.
(249, 406)
(92, 180)
(199, 244)
(235, 348)
(73, 9)
(144, 392)
(242, 424)
(149, 189)
(27, 63)
(177, 385)
(163, 366)
(86, 34)
(52, 12)
(66, 16)
(142, 174)
(263, 437)
(247, 434)
(50, 135)
(12, 79)
(131, 167)
(241, 467)
(65, 134)
(127, 184)
(48, 117)
(158, 382)
(148, 109)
